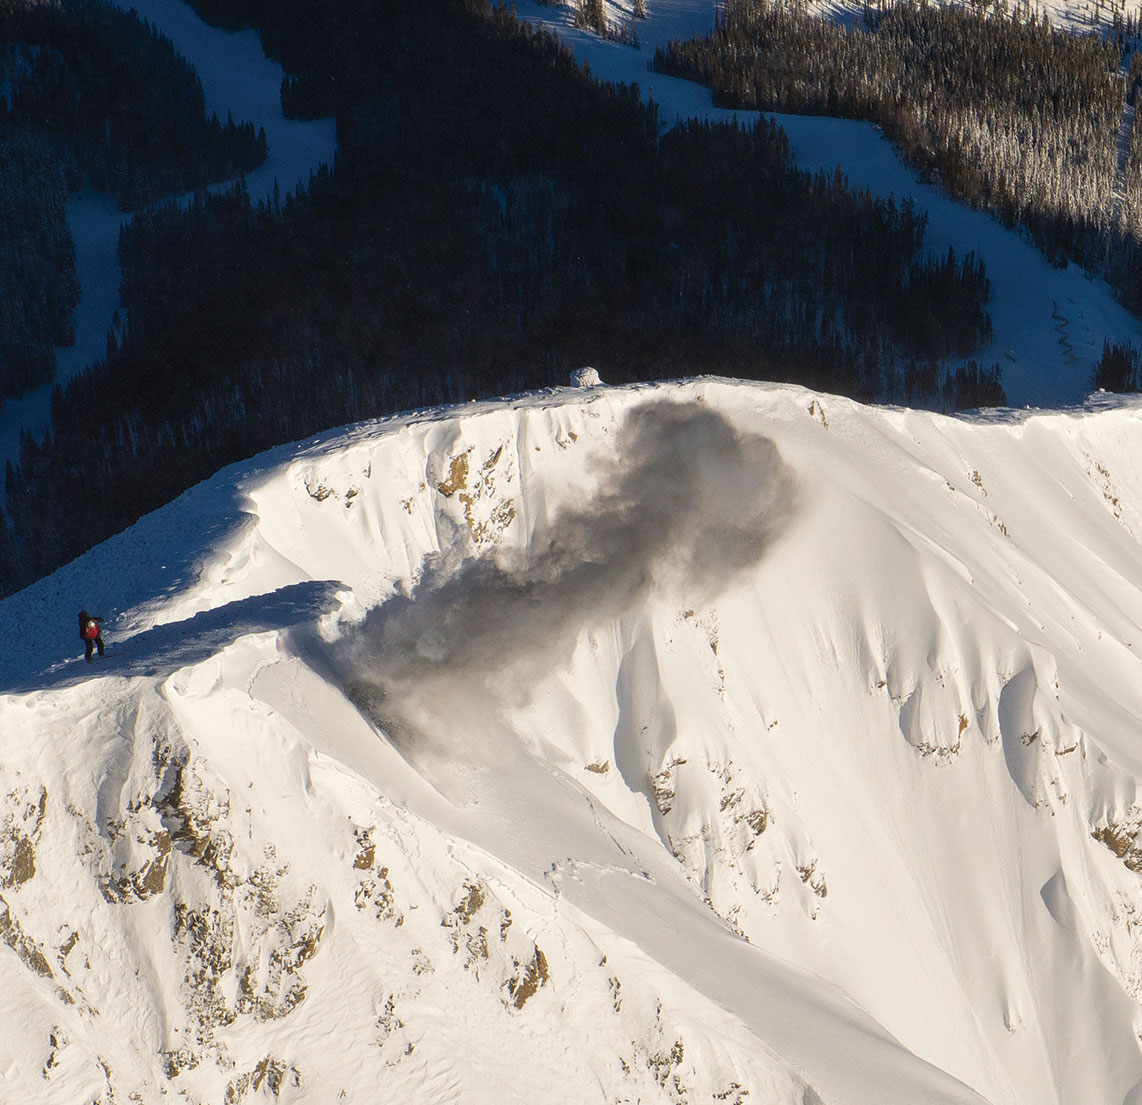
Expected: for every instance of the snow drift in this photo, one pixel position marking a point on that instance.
(697, 742)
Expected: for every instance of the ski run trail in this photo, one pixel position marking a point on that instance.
(694, 742)
(1026, 291)
(236, 79)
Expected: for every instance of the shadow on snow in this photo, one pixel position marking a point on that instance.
(164, 649)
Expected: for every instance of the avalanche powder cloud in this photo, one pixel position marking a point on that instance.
(685, 502)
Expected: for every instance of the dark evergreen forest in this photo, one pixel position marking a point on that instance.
(90, 98)
(38, 284)
(495, 218)
(126, 111)
(1008, 113)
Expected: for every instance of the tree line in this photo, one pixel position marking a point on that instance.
(39, 288)
(1009, 113)
(496, 217)
(91, 98)
(126, 111)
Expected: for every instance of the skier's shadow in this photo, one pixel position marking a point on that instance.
(160, 651)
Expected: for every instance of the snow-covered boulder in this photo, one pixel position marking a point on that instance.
(585, 378)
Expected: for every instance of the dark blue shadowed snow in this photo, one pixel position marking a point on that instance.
(166, 648)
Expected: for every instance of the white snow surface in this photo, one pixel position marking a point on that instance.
(695, 742)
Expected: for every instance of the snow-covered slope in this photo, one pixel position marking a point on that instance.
(705, 742)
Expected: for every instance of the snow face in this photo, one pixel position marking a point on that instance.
(697, 742)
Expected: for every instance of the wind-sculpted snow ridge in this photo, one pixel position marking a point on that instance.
(703, 742)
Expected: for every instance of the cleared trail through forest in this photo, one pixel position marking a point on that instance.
(1029, 295)
(237, 78)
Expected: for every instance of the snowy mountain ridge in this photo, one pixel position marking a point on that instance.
(707, 741)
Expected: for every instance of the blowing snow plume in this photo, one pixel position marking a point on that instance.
(685, 502)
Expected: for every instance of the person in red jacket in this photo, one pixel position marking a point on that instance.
(91, 633)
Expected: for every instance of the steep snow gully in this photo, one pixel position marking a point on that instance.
(698, 742)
